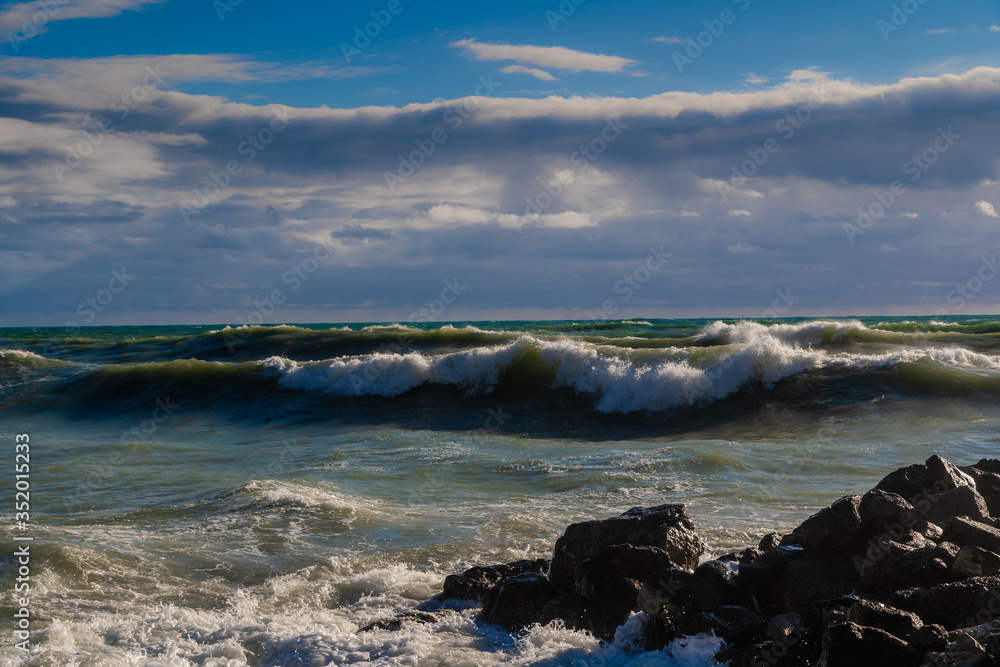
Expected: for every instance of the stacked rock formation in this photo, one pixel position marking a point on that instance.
(906, 575)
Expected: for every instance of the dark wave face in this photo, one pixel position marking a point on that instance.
(659, 371)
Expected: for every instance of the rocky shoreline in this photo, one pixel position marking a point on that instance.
(907, 574)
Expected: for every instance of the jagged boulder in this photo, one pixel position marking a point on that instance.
(667, 527)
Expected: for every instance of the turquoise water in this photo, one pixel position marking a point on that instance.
(228, 497)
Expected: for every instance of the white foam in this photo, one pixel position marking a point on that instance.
(677, 377)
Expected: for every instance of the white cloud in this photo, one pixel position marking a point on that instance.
(940, 31)
(754, 79)
(910, 214)
(887, 248)
(690, 214)
(995, 28)
(521, 69)
(556, 57)
(986, 208)
(738, 212)
(25, 15)
(667, 39)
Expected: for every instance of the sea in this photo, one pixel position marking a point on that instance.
(218, 496)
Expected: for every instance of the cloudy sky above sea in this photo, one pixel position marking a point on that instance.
(222, 161)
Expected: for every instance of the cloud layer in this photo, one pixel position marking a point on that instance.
(540, 205)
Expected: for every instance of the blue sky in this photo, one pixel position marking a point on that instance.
(211, 149)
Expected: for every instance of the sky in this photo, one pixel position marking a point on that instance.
(238, 161)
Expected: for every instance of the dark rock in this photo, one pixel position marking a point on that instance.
(667, 527)
(476, 582)
(778, 559)
(395, 623)
(993, 505)
(911, 483)
(769, 541)
(570, 609)
(898, 623)
(987, 483)
(850, 645)
(612, 605)
(961, 604)
(833, 528)
(736, 625)
(986, 635)
(677, 592)
(878, 566)
(518, 602)
(792, 539)
(907, 598)
(621, 561)
(962, 651)
(929, 637)
(748, 555)
(813, 579)
(786, 625)
(661, 629)
(722, 576)
(759, 581)
(962, 501)
(888, 513)
(948, 474)
(973, 561)
(988, 465)
(965, 532)
(921, 568)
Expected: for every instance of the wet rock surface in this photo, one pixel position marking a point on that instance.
(906, 574)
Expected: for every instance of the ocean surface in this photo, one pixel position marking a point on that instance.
(216, 496)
